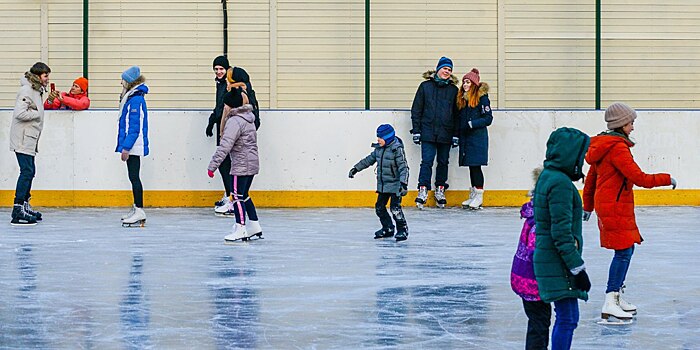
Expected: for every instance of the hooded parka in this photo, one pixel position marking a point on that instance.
(558, 216)
(608, 189)
(432, 112)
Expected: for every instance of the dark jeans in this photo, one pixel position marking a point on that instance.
(618, 269)
(539, 318)
(428, 152)
(242, 204)
(565, 323)
(225, 171)
(133, 166)
(396, 212)
(27, 170)
(476, 176)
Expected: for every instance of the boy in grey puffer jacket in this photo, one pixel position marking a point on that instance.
(392, 181)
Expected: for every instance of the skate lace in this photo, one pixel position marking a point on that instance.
(423, 193)
(440, 193)
(28, 209)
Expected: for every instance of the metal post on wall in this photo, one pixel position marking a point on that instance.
(597, 54)
(367, 48)
(223, 2)
(85, 38)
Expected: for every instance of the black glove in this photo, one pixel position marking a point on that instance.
(416, 139)
(404, 189)
(582, 282)
(210, 130)
(352, 172)
(455, 142)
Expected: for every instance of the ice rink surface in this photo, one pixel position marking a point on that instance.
(319, 281)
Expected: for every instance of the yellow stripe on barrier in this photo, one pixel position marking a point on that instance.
(307, 199)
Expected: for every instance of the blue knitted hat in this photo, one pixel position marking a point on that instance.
(386, 133)
(444, 62)
(131, 74)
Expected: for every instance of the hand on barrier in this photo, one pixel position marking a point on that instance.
(586, 215)
(210, 173)
(416, 139)
(673, 183)
(455, 142)
(352, 172)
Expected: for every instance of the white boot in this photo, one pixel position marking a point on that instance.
(225, 209)
(137, 218)
(130, 213)
(472, 194)
(239, 233)
(612, 308)
(478, 199)
(624, 305)
(253, 228)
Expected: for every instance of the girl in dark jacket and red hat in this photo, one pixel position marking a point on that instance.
(474, 109)
(608, 190)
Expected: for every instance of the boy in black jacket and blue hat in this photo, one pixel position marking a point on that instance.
(392, 181)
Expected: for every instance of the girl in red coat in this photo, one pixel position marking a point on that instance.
(608, 190)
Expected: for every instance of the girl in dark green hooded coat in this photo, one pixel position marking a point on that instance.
(559, 268)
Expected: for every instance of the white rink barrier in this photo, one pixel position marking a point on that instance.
(313, 150)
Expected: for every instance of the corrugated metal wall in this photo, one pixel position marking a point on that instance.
(311, 54)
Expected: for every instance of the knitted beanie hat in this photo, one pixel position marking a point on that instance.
(618, 115)
(131, 74)
(221, 61)
(82, 82)
(473, 76)
(386, 132)
(233, 98)
(444, 62)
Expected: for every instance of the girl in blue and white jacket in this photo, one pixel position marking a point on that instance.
(132, 139)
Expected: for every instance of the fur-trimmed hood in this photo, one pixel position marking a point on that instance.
(483, 89)
(430, 74)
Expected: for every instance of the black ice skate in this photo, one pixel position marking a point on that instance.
(384, 233)
(401, 236)
(20, 217)
(29, 210)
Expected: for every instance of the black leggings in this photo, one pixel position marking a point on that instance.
(133, 166)
(225, 171)
(476, 176)
(242, 204)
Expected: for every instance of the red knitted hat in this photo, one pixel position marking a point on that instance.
(82, 82)
(473, 76)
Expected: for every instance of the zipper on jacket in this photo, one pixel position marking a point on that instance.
(624, 183)
(381, 161)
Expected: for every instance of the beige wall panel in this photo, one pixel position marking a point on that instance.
(174, 49)
(65, 42)
(407, 40)
(21, 45)
(550, 54)
(645, 43)
(320, 54)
